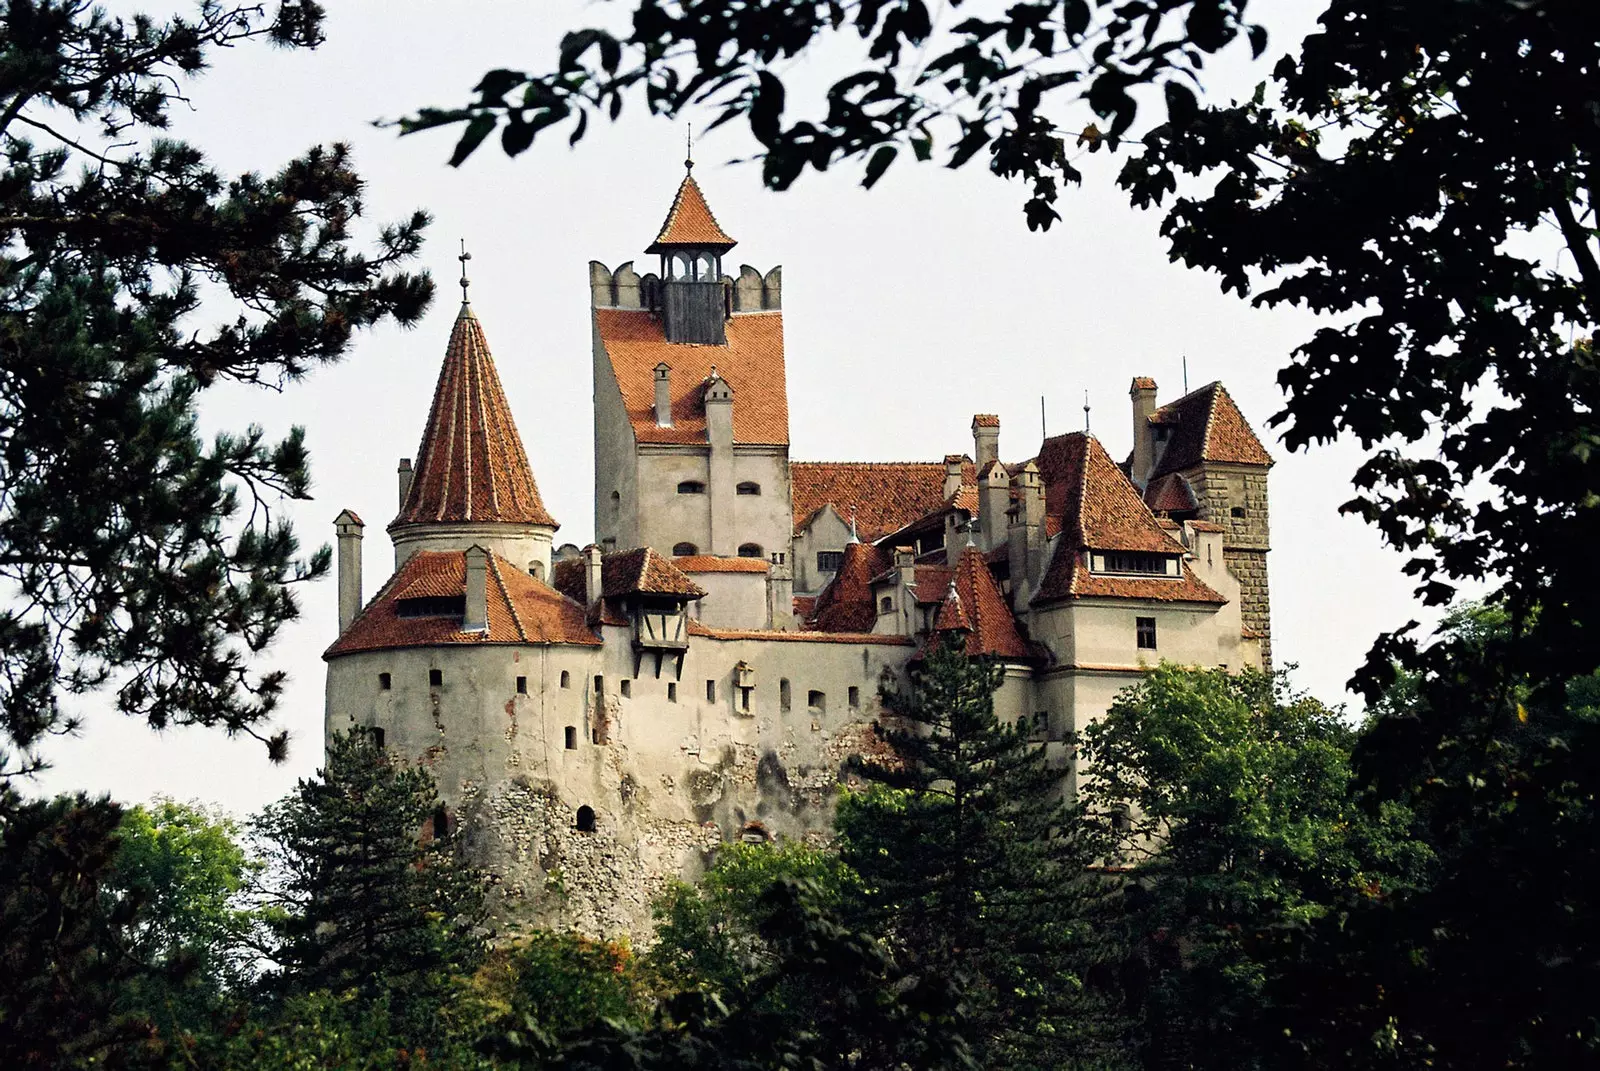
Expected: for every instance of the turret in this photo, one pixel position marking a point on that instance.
(695, 303)
(349, 527)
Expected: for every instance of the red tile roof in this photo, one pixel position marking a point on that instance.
(690, 222)
(805, 607)
(885, 496)
(522, 609)
(751, 362)
(1097, 505)
(979, 608)
(707, 563)
(1143, 383)
(1206, 425)
(986, 420)
(1170, 494)
(697, 629)
(1069, 578)
(471, 465)
(846, 605)
(642, 571)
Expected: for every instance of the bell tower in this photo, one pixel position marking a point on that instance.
(695, 301)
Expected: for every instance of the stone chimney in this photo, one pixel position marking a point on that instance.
(592, 574)
(718, 395)
(952, 473)
(663, 395)
(349, 526)
(476, 618)
(955, 537)
(985, 438)
(1025, 535)
(994, 499)
(1143, 396)
(404, 473)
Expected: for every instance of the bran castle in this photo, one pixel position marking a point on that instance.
(600, 719)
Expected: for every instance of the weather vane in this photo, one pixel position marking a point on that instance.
(463, 258)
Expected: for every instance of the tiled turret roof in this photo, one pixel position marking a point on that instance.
(975, 605)
(690, 222)
(471, 465)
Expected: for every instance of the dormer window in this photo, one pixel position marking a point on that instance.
(1134, 563)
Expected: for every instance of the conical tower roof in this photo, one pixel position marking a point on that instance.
(690, 222)
(471, 466)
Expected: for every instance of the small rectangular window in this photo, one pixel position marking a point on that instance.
(377, 736)
(572, 738)
(828, 561)
(855, 698)
(1146, 628)
(522, 685)
(566, 679)
(783, 693)
(435, 678)
(711, 691)
(744, 699)
(672, 692)
(627, 689)
(385, 682)
(599, 686)
(817, 701)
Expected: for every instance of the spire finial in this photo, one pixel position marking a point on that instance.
(465, 282)
(1086, 412)
(854, 538)
(688, 147)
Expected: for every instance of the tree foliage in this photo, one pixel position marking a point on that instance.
(967, 855)
(136, 556)
(369, 897)
(954, 81)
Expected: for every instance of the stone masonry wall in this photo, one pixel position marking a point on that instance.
(1235, 497)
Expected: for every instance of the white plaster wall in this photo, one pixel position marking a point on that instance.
(827, 531)
(523, 545)
(765, 519)
(733, 600)
(615, 470)
(667, 518)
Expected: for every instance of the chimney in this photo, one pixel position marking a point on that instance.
(719, 410)
(955, 537)
(349, 526)
(663, 395)
(952, 473)
(780, 594)
(477, 615)
(592, 574)
(905, 564)
(405, 474)
(1025, 536)
(985, 438)
(994, 499)
(1143, 396)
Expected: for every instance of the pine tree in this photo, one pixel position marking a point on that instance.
(375, 898)
(135, 555)
(969, 856)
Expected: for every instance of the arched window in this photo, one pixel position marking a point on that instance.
(754, 833)
(441, 823)
(681, 268)
(536, 570)
(691, 487)
(750, 550)
(749, 487)
(886, 605)
(585, 823)
(705, 267)
(684, 550)
(566, 679)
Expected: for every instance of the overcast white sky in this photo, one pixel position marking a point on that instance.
(908, 309)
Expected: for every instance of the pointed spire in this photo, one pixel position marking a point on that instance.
(689, 221)
(471, 465)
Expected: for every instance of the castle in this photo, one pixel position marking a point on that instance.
(598, 719)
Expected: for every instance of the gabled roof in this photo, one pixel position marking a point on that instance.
(1170, 494)
(1206, 425)
(471, 465)
(751, 362)
(642, 571)
(846, 605)
(522, 609)
(690, 222)
(975, 605)
(885, 496)
(1094, 502)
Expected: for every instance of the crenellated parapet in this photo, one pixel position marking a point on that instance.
(625, 288)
